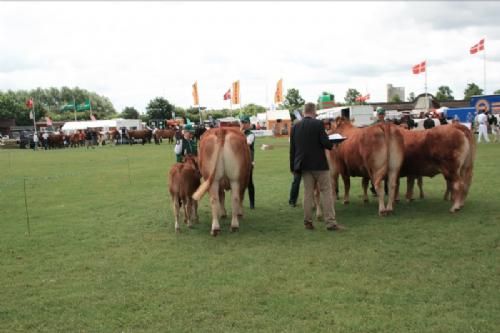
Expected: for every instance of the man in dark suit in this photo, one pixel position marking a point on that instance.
(308, 142)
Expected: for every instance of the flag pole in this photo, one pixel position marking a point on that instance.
(34, 115)
(425, 88)
(484, 70)
(74, 106)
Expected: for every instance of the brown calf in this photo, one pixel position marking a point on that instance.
(183, 180)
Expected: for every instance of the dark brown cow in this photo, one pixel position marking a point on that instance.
(448, 150)
(56, 140)
(164, 134)
(375, 152)
(224, 156)
(183, 180)
(145, 135)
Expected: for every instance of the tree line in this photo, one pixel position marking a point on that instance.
(50, 102)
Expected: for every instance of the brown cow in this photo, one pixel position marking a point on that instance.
(145, 135)
(375, 152)
(224, 156)
(443, 149)
(183, 180)
(164, 134)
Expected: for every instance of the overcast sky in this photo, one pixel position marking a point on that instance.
(132, 52)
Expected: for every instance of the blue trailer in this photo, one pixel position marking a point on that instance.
(486, 103)
(465, 115)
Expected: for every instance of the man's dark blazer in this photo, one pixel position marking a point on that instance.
(308, 141)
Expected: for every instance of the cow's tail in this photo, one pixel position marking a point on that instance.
(205, 186)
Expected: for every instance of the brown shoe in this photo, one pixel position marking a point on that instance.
(335, 227)
(308, 225)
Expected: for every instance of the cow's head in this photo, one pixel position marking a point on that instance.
(340, 123)
(192, 161)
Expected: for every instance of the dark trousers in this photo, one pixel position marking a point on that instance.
(251, 189)
(294, 191)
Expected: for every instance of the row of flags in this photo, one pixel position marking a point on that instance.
(86, 106)
(420, 68)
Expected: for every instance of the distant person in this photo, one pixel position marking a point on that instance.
(245, 128)
(187, 144)
(482, 120)
(442, 119)
(308, 142)
(380, 115)
(88, 139)
(429, 122)
(493, 122)
(45, 138)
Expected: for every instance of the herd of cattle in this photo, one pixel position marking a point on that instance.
(381, 152)
(77, 139)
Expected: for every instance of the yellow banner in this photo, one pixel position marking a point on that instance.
(195, 94)
(235, 98)
(278, 95)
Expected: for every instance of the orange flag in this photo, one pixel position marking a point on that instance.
(278, 95)
(196, 100)
(235, 98)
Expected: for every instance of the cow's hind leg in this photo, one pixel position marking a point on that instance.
(347, 188)
(364, 184)
(222, 204)
(177, 208)
(420, 184)
(457, 191)
(410, 184)
(379, 187)
(392, 180)
(214, 203)
(235, 207)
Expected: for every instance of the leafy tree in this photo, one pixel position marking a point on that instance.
(395, 99)
(252, 109)
(471, 90)
(411, 97)
(350, 96)
(159, 108)
(130, 113)
(497, 92)
(293, 100)
(444, 93)
(48, 102)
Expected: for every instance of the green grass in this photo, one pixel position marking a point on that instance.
(103, 255)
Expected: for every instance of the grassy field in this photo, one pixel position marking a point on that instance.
(103, 256)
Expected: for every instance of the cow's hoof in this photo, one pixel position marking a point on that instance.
(177, 230)
(235, 229)
(382, 213)
(215, 232)
(346, 202)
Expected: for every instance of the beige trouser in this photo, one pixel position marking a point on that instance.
(322, 178)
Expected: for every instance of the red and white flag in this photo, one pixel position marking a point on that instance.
(92, 117)
(420, 68)
(477, 47)
(29, 103)
(227, 95)
(363, 98)
(48, 121)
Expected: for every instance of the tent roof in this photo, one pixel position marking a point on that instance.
(278, 114)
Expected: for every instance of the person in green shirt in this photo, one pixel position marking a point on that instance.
(187, 145)
(245, 128)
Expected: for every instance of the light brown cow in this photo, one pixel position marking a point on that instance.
(184, 179)
(164, 134)
(375, 152)
(224, 156)
(445, 150)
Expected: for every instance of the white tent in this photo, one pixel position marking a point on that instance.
(277, 114)
(106, 124)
